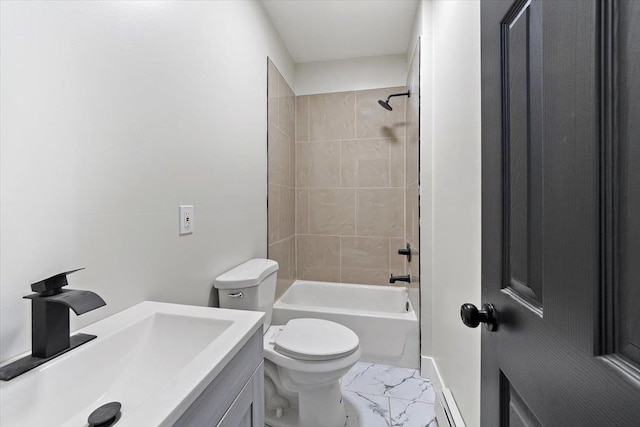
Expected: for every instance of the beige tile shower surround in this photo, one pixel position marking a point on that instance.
(336, 184)
(412, 174)
(281, 172)
(350, 186)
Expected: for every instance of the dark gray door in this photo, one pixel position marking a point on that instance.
(561, 212)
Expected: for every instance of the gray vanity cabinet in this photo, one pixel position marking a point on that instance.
(248, 408)
(235, 398)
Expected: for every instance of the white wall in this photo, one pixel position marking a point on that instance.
(350, 74)
(451, 193)
(113, 114)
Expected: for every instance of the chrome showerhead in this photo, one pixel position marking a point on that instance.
(385, 104)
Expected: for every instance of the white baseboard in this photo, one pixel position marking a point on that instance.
(447, 412)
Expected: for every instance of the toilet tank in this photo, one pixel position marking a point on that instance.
(249, 286)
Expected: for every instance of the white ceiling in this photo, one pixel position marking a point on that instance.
(322, 30)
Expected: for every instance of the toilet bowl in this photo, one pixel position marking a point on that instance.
(310, 356)
(304, 359)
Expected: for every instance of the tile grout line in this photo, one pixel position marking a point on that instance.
(278, 93)
(340, 259)
(295, 188)
(351, 235)
(281, 240)
(355, 211)
(355, 114)
(355, 136)
(373, 138)
(350, 188)
(388, 145)
(389, 252)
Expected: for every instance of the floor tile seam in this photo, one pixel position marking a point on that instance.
(385, 394)
(365, 392)
(412, 400)
(388, 400)
(369, 393)
(389, 411)
(431, 419)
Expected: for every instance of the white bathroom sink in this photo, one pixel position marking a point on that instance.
(153, 358)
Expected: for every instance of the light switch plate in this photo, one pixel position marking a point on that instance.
(186, 219)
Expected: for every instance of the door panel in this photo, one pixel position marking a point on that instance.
(519, 413)
(570, 145)
(628, 244)
(561, 212)
(521, 38)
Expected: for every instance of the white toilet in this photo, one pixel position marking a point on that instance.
(304, 359)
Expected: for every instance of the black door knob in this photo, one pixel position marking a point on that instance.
(472, 317)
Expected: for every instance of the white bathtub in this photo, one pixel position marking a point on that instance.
(378, 314)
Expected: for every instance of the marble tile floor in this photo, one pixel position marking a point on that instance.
(387, 396)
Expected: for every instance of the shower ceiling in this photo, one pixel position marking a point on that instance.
(323, 30)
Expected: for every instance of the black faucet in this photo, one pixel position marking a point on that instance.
(394, 279)
(50, 322)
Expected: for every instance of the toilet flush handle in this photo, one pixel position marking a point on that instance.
(236, 295)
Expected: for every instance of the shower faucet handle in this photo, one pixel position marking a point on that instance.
(406, 252)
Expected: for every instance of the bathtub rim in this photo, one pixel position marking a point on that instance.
(410, 315)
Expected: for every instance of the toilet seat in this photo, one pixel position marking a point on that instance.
(311, 345)
(315, 339)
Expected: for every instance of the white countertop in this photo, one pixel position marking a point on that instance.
(154, 358)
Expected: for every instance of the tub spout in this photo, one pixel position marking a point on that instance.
(394, 279)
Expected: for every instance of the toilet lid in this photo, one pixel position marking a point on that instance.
(315, 339)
